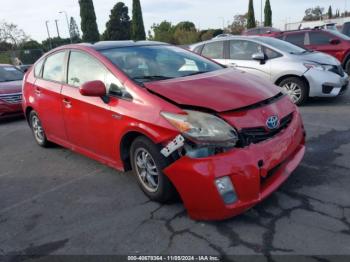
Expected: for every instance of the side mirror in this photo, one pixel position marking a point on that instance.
(93, 88)
(334, 41)
(258, 57)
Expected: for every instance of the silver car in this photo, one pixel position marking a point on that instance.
(300, 73)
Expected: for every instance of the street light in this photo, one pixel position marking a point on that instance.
(223, 22)
(48, 33)
(65, 13)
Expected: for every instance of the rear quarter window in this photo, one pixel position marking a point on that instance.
(296, 39)
(38, 67)
(214, 50)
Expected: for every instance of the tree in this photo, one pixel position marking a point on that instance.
(330, 12)
(251, 23)
(186, 33)
(137, 26)
(239, 24)
(31, 44)
(313, 14)
(74, 30)
(55, 41)
(204, 35)
(163, 32)
(88, 21)
(118, 26)
(10, 33)
(268, 14)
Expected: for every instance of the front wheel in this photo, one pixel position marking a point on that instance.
(296, 89)
(38, 130)
(147, 164)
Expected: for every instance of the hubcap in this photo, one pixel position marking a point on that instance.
(146, 170)
(293, 90)
(37, 129)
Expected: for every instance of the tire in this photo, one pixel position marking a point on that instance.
(347, 66)
(38, 130)
(296, 88)
(158, 186)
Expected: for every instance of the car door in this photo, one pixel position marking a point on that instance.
(47, 92)
(320, 41)
(214, 50)
(240, 56)
(87, 119)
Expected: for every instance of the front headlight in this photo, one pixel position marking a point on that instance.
(203, 128)
(316, 66)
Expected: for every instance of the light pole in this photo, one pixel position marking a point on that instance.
(48, 33)
(65, 13)
(223, 23)
(58, 31)
(261, 15)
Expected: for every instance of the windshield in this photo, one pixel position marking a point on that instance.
(282, 45)
(152, 63)
(338, 34)
(10, 73)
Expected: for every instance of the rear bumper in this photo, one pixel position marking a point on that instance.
(325, 83)
(10, 110)
(195, 178)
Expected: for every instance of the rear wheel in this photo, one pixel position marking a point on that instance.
(147, 164)
(296, 89)
(38, 130)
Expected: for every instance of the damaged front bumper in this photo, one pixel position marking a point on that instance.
(255, 172)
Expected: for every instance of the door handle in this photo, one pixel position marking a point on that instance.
(37, 91)
(67, 103)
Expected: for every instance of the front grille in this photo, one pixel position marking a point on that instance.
(12, 98)
(256, 135)
(337, 70)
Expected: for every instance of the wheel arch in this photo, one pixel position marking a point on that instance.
(27, 113)
(303, 78)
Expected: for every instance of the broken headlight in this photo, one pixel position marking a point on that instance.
(203, 129)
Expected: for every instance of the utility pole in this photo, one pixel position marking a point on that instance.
(68, 27)
(223, 23)
(48, 33)
(58, 31)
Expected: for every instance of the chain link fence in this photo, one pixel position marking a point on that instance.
(20, 57)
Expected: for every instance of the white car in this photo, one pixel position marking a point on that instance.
(300, 72)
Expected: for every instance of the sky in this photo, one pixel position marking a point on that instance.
(31, 15)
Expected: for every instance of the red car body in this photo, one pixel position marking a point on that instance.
(104, 131)
(10, 97)
(262, 31)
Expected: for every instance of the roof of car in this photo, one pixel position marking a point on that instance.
(103, 45)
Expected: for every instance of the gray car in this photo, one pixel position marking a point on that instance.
(301, 73)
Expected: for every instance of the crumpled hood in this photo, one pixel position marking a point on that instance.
(320, 58)
(10, 87)
(220, 90)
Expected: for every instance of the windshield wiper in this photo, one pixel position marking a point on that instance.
(155, 77)
(197, 73)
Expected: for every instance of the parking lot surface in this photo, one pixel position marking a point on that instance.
(54, 201)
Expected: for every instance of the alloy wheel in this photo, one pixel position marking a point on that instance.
(293, 90)
(38, 129)
(146, 170)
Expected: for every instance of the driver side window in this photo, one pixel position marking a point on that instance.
(243, 50)
(83, 68)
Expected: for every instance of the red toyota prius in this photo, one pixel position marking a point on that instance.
(219, 138)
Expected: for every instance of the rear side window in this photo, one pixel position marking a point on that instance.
(243, 50)
(319, 38)
(37, 68)
(214, 50)
(54, 67)
(83, 68)
(297, 39)
(198, 49)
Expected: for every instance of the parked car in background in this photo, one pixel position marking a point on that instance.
(24, 68)
(263, 31)
(222, 139)
(10, 91)
(299, 72)
(331, 42)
